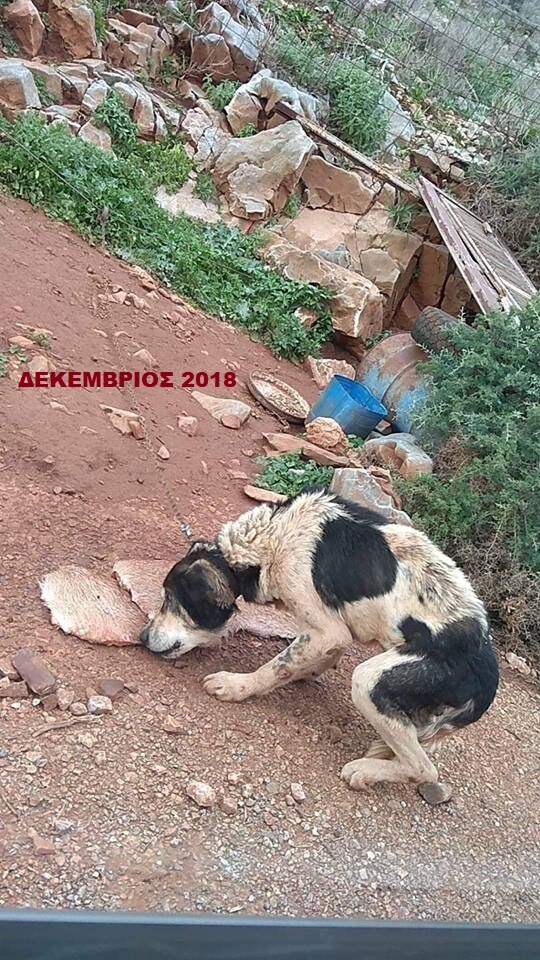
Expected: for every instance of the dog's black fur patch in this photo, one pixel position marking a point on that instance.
(458, 667)
(352, 560)
(187, 587)
(248, 579)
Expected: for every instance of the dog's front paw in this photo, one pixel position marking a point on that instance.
(227, 686)
(353, 774)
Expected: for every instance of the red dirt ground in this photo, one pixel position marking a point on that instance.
(111, 793)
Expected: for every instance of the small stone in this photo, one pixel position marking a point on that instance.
(61, 826)
(229, 806)
(24, 343)
(273, 788)
(7, 670)
(234, 778)
(518, 663)
(262, 495)
(231, 421)
(187, 425)
(111, 688)
(50, 702)
(269, 819)
(172, 725)
(13, 690)
(146, 357)
(201, 793)
(435, 793)
(65, 698)
(298, 792)
(78, 709)
(34, 671)
(87, 740)
(163, 453)
(43, 847)
(99, 705)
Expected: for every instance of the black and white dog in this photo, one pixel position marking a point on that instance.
(345, 574)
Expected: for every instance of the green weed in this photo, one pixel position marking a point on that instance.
(218, 269)
(44, 93)
(292, 205)
(205, 188)
(290, 474)
(43, 339)
(99, 18)
(113, 114)
(164, 164)
(220, 94)
(248, 130)
(402, 213)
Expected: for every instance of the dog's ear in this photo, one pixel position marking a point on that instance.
(207, 583)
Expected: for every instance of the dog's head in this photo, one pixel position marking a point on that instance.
(199, 595)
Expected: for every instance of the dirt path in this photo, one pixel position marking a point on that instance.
(111, 794)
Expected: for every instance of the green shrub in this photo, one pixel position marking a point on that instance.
(508, 195)
(248, 130)
(113, 114)
(355, 111)
(99, 17)
(216, 268)
(205, 188)
(220, 94)
(354, 93)
(482, 420)
(290, 474)
(44, 93)
(292, 205)
(164, 164)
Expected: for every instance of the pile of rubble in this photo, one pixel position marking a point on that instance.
(344, 236)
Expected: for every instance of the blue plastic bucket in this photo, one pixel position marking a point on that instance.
(350, 403)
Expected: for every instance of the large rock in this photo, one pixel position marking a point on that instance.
(227, 48)
(400, 451)
(74, 20)
(27, 25)
(356, 304)
(323, 370)
(143, 115)
(456, 294)
(96, 135)
(183, 201)
(334, 188)
(75, 81)
(322, 231)
(246, 104)
(400, 130)
(94, 96)
(433, 267)
(50, 76)
(258, 173)
(18, 90)
(376, 250)
(360, 486)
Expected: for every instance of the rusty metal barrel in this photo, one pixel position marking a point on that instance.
(390, 371)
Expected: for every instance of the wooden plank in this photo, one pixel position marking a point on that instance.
(382, 173)
(481, 289)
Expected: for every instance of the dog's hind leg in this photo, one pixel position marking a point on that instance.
(315, 650)
(409, 761)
